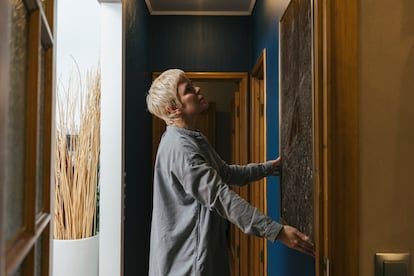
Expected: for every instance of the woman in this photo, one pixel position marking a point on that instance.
(192, 200)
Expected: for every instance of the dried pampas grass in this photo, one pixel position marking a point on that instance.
(77, 157)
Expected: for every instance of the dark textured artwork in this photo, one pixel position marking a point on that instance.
(296, 96)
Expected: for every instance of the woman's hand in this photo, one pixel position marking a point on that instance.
(276, 166)
(295, 239)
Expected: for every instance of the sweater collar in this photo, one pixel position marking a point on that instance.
(194, 133)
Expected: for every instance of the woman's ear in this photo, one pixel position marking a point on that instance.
(173, 110)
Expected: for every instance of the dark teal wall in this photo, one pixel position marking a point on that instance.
(138, 189)
(282, 261)
(200, 43)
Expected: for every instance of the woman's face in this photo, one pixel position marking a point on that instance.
(192, 100)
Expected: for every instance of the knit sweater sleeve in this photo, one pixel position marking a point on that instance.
(205, 184)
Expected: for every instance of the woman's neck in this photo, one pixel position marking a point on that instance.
(184, 124)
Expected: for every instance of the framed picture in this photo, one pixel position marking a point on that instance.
(296, 116)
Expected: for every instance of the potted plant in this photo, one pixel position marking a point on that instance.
(77, 148)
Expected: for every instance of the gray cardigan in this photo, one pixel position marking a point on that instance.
(193, 202)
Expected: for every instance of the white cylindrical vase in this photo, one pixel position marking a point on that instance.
(76, 257)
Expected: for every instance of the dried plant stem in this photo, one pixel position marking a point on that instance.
(77, 159)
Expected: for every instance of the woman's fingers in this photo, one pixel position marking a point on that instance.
(295, 239)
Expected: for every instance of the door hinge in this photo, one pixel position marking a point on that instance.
(261, 109)
(238, 251)
(238, 112)
(261, 256)
(326, 266)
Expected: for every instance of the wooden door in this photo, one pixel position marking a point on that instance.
(257, 147)
(336, 137)
(248, 253)
(239, 242)
(26, 131)
(257, 155)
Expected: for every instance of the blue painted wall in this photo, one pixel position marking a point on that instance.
(201, 43)
(138, 190)
(282, 261)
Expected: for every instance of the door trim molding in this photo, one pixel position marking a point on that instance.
(242, 79)
(337, 146)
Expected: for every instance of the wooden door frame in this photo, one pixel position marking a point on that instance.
(234, 232)
(20, 250)
(258, 73)
(242, 79)
(242, 113)
(336, 137)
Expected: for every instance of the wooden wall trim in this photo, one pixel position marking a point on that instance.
(319, 141)
(337, 149)
(31, 120)
(344, 157)
(258, 115)
(48, 138)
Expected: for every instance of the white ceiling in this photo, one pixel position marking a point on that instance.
(200, 7)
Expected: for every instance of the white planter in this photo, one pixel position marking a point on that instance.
(76, 257)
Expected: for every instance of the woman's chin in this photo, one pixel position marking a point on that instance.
(206, 105)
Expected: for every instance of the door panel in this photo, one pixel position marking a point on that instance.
(239, 258)
(336, 135)
(15, 154)
(26, 145)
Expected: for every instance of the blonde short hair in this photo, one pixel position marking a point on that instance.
(163, 94)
